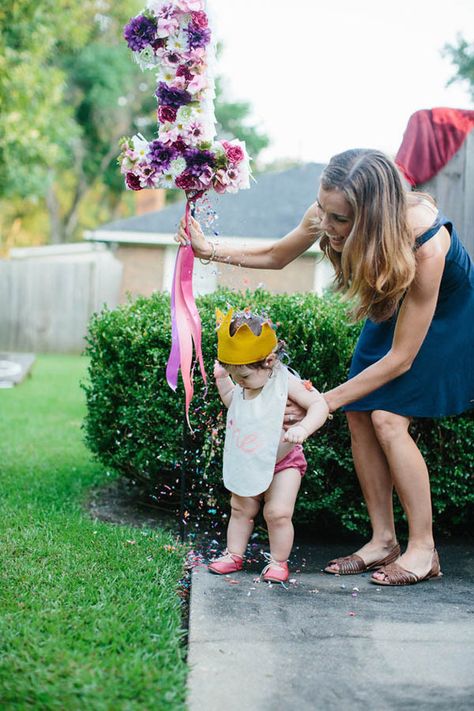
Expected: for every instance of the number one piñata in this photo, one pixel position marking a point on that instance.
(174, 39)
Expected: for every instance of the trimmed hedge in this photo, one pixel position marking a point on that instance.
(135, 423)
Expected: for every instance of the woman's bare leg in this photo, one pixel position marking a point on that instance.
(411, 480)
(376, 483)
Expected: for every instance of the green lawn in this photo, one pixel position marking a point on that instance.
(89, 613)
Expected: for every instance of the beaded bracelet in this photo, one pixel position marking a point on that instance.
(213, 254)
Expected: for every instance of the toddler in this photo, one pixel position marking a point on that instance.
(263, 463)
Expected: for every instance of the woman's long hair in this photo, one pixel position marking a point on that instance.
(377, 264)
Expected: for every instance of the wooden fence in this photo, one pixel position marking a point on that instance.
(453, 189)
(48, 294)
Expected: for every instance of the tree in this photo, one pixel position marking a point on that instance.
(69, 89)
(234, 120)
(35, 125)
(462, 56)
(67, 92)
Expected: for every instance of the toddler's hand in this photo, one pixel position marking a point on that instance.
(219, 371)
(296, 434)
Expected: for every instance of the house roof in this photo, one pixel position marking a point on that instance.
(273, 206)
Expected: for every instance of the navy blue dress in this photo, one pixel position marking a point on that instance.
(440, 381)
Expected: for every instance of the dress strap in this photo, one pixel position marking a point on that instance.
(431, 231)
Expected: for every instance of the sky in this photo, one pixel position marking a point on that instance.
(326, 76)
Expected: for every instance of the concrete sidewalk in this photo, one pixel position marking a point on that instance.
(333, 642)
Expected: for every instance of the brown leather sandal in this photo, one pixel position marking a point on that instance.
(396, 575)
(354, 564)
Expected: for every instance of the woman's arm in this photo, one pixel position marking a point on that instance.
(275, 256)
(414, 319)
(313, 402)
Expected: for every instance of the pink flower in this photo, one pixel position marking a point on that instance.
(194, 131)
(167, 26)
(190, 5)
(171, 59)
(196, 56)
(166, 113)
(206, 177)
(221, 181)
(234, 153)
(200, 19)
(178, 83)
(198, 83)
(168, 136)
(146, 175)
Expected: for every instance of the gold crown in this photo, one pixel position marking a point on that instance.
(244, 346)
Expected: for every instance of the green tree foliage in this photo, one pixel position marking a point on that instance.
(462, 56)
(234, 120)
(67, 92)
(69, 89)
(36, 125)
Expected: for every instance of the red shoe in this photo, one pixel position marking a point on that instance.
(276, 571)
(227, 563)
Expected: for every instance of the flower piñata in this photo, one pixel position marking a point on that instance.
(174, 38)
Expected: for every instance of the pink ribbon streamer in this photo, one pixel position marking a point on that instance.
(185, 322)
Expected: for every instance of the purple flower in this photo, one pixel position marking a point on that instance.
(172, 97)
(140, 32)
(161, 155)
(197, 160)
(197, 36)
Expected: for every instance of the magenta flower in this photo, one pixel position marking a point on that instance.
(199, 19)
(132, 181)
(166, 114)
(183, 71)
(180, 145)
(234, 153)
(187, 181)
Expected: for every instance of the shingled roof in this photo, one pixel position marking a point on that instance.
(272, 207)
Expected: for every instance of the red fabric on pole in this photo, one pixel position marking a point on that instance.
(431, 139)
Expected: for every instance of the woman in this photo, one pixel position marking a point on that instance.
(413, 281)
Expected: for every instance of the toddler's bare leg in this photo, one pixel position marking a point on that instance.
(244, 510)
(280, 499)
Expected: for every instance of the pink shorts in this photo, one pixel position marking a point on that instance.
(293, 460)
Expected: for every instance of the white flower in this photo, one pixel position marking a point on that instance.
(146, 58)
(177, 166)
(166, 181)
(177, 42)
(166, 74)
(156, 5)
(140, 146)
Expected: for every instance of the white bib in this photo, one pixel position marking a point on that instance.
(253, 434)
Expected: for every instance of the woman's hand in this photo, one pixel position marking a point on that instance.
(293, 414)
(201, 247)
